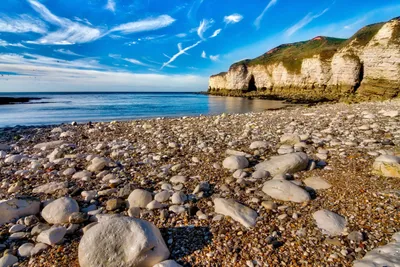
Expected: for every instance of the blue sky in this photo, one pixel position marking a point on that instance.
(158, 45)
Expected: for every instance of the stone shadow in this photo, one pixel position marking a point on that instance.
(184, 241)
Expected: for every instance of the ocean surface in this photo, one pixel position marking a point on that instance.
(57, 108)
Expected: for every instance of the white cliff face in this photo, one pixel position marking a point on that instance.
(372, 69)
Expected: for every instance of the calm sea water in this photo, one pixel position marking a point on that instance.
(57, 108)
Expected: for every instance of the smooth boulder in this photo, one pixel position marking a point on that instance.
(168, 263)
(139, 198)
(235, 162)
(122, 242)
(18, 207)
(329, 222)
(317, 183)
(289, 163)
(236, 211)
(59, 210)
(285, 191)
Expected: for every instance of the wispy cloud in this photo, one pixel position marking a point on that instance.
(4, 43)
(149, 24)
(110, 5)
(356, 23)
(84, 74)
(258, 20)
(232, 19)
(21, 24)
(205, 24)
(304, 22)
(181, 52)
(71, 32)
(136, 62)
(181, 35)
(214, 58)
(67, 52)
(215, 34)
(203, 54)
(193, 9)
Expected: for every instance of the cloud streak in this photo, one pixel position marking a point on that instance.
(304, 22)
(258, 20)
(214, 58)
(21, 24)
(181, 52)
(232, 19)
(203, 27)
(71, 32)
(216, 33)
(67, 52)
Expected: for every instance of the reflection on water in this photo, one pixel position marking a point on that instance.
(56, 108)
(240, 105)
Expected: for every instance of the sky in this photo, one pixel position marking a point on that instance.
(158, 45)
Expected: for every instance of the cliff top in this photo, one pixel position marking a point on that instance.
(292, 55)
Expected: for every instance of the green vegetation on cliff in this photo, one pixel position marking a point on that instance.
(292, 55)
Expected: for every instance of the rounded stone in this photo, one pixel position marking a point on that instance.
(59, 210)
(122, 242)
(235, 162)
(139, 198)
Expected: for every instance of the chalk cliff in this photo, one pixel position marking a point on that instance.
(366, 66)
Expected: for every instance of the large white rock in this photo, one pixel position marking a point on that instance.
(50, 188)
(236, 211)
(290, 139)
(168, 263)
(289, 163)
(285, 191)
(387, 165)
(8, 260)
(59, 210)
(122, 242)
(139, 198)
(82, 174)
(52, 236)
(25, 249)
(388, 255)
(317, 183)
(14, 159)
(49, 145)
(329, 222)
(16, 208)
(235, 162)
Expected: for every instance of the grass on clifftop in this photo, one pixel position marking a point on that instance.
(292, 55)
(365, 35)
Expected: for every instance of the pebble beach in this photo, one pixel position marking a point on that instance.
(301, 186)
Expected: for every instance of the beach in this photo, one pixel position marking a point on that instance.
(326, 201)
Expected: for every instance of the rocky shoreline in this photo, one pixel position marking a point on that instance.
(16, 100)
(306, 186)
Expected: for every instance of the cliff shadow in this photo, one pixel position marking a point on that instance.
(185, 241)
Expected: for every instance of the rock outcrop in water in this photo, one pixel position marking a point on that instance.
(366, 66)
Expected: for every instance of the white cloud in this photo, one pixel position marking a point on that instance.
(204, 55)
(21, 24)
(110, 5)
(194, 8)
(181, 35)
(71, 32)
(181, 52)
(149, 24)
(232, 19)
(85, 74)
(215, 34)
(4, 43)
(304, 22)
(67, 52)
(214, 58)
(204, 26)
(136, 62)
(258, 20)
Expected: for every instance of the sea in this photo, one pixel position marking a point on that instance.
(58, 108)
